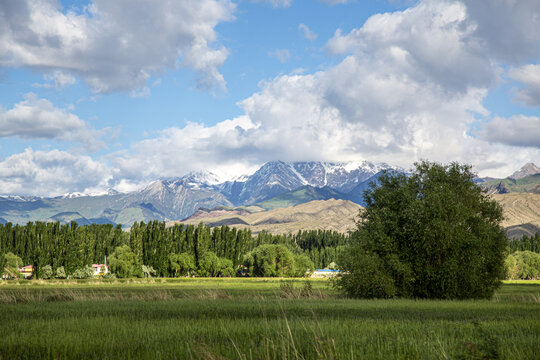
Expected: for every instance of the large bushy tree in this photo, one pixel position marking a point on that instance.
(125, 263)
(430, 234)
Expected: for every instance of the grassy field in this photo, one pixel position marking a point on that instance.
(257, 319)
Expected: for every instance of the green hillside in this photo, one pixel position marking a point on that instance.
(528, 184)
(301, 195)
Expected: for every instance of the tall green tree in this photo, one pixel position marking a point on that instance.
(431, 234)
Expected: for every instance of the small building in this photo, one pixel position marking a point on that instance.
(324, 273)
(100, 269)
(27, 271)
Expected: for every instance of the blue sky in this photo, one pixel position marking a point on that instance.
(113, 94)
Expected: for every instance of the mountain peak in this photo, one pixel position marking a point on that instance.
(526, 170)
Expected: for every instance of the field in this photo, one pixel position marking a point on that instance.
(257, 319)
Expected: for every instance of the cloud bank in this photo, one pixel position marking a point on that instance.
(407, 85)
(115, 45)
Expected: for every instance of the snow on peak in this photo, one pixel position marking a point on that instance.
(73, 195)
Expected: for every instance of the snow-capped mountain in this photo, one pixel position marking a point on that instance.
(277, 177)
(177, 198)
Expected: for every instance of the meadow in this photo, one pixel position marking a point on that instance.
(256, 318)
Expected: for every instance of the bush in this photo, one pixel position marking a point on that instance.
(302, 265)
(85, 273)
(47, 272)
(61, 273)
(148, 271)
(11, 265)
(416, 231)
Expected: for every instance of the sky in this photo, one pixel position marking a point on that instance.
(108, 94)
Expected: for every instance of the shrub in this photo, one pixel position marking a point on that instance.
(85, 273)
(60, 273)
(302, 266)
(148, 271)
(10, 265)
(47, 272)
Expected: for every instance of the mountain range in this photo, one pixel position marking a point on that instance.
(179, 198)
(274, 185)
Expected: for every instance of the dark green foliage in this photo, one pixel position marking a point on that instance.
(124, 263)
(171, 252)
(433, 234)
(302, 265)
(531, 243)
(181, 264)
(270, 260)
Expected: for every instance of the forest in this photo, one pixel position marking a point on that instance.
(164, 251)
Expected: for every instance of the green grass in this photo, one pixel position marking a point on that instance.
(257, 319)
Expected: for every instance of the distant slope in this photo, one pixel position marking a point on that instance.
(517, 231)
(337, 215)
(519, 208)
(301, 195)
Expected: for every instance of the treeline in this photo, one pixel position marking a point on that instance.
(530, 243)
(523, 262)
(164, 251)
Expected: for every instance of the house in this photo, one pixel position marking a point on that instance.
(100, 269)
(27, 271)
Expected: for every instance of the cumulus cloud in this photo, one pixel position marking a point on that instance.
(114, 45)
(508, 29)
(528, 75)
(51, 173)
(35, 118)
(308, 34)
(410, 86)
(518, 130)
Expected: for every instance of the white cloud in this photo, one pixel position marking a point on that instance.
(410, 87)
(529, 75)
(51, 173)
(276, 3)
(308, 34)
(518, 130)
(35, 118)
(59, 80)
(114, 45)
(283, 55)
(507, 29)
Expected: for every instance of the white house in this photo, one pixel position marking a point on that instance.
(100, 269)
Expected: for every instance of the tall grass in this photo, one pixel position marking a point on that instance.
(236, 320)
